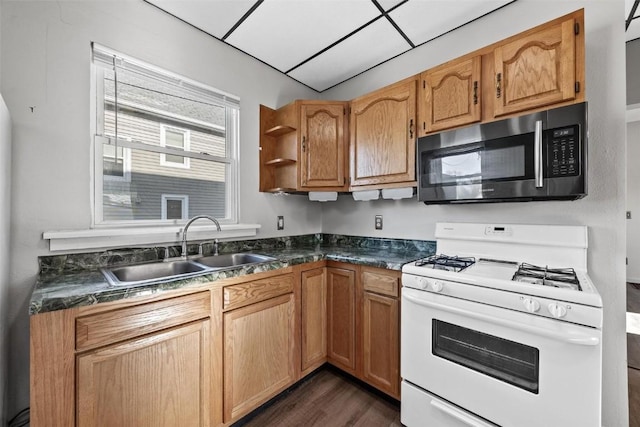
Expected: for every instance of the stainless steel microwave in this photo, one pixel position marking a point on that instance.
(538, 156)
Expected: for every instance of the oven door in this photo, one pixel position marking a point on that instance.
(507, 367)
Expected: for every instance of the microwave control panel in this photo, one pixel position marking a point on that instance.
(563, 152)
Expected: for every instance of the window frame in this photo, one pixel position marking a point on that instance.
(186, 134)
(184, 198)
(232, 147)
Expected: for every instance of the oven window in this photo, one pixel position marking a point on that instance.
(508, 361)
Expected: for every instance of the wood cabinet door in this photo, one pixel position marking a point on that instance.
(322, 149)
(383, 133)
(259, 354)
(450, 95)
(381, 342)
(341, 319)
(314, 318)
(162, 379)
(536, 70)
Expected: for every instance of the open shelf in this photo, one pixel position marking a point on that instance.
(279, 130)
(280, 162)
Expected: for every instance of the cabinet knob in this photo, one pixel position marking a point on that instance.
(304, 143)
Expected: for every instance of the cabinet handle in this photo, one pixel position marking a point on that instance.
(475, 92)
(498, 85)
(411, 128)
(304, 143)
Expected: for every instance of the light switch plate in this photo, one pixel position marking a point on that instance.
(280, 222)
(378, 222)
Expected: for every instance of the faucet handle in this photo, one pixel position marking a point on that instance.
(200, 248)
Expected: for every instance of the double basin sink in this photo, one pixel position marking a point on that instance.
(140, 274)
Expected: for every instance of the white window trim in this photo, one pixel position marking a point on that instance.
(187, 146)
(105, 238)
(185, 204)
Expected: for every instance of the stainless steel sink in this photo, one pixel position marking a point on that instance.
(232, 260)
(140, 274)
(146, 273)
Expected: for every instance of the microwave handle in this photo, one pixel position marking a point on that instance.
(537, 154)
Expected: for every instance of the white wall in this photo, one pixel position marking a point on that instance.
(633, 203)
(45, 64)
(602, 210)
(5, 253)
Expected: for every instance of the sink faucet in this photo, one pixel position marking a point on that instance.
(186, 227)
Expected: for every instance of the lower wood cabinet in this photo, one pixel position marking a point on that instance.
(341, 318)
(158, 380)
(313, 296)
(259, 354)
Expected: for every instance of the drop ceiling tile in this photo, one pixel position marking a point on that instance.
(369, 47)
(214, 17)
(422, 20)
(628, 4)
(633, 32)
(388, 4)
(283, 33)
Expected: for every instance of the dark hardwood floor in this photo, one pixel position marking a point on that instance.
(327, 399)
(633, 354)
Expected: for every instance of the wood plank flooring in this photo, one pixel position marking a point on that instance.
(327, 399)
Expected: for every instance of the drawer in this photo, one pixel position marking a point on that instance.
(259, 290)
(385, 282)
(121, 324)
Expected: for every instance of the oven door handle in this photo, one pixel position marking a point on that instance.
(458, 414)
(581, 339)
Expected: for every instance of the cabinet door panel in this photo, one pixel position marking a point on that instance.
(323, 149)
(159, 380)
(383, 136)
(536, 70)
(258, 354)
(451, 95)
(341, 318)
(314, 318)
(381, 342)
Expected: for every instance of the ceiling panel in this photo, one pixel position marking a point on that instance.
(388, 4)
(374, 44)
(283, 33)
(633, 32)
(214, 17)
(422, 20)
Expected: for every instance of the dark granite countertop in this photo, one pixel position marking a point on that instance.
(57, 290)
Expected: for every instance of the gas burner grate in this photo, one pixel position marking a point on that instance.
(446, 262)
(556, 277)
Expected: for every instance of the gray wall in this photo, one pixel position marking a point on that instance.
(45, 63)
(602, 210)
(633, 72)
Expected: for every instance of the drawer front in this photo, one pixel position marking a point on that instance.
(259, 290)
(381, 282)
(121, 324)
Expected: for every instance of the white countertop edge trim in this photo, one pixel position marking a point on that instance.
(68, 240)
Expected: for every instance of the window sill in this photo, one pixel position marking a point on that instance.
(101, 238)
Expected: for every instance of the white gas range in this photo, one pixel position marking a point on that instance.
(502, 327)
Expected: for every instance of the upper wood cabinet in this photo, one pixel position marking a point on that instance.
(383, 132)
(302, 147)
(537, 69)
(323, 148)
(450, 95)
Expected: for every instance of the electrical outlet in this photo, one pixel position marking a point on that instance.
(280, 222)
(628, 214)
(378, 222)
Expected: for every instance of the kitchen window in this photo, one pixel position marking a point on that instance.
(181, 139)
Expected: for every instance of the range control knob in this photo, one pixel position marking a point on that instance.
(531, 305)
(437, 286)
(423, 282)
(557, 310)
